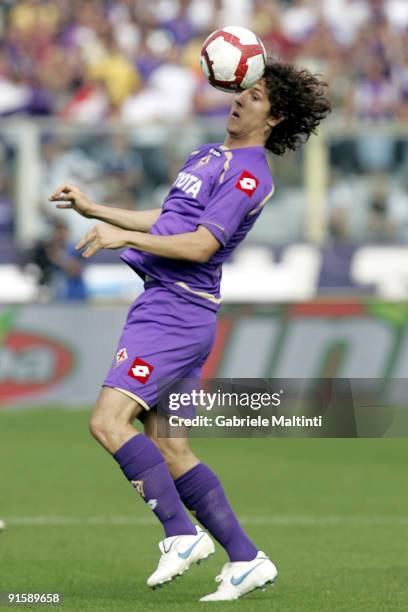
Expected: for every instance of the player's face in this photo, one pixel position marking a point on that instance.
(250, 114)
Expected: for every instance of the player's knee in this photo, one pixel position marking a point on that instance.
(98, 426)
(112, 415)
(101, 423)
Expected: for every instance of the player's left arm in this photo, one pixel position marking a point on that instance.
(198, 246)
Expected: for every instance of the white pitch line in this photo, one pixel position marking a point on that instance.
(301, 521)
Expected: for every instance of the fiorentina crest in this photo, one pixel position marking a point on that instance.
(138, 485)
(121, 356)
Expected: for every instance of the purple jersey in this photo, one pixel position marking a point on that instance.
(225, 191)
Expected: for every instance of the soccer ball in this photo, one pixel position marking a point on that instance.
(233, 59)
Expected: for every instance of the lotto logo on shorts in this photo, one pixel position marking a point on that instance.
(247, 183)
(140, 370)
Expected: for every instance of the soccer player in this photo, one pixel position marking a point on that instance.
(179, 250)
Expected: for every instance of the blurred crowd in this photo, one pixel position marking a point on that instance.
(91, 60)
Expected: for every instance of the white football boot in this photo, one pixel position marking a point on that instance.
(178, 554)
(241, 577)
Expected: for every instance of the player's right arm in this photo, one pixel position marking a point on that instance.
(69, 196)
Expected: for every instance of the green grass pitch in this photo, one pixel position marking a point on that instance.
(332, 514)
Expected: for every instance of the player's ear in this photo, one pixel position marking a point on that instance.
(271, 122)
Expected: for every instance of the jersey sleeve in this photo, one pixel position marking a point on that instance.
(230, 202)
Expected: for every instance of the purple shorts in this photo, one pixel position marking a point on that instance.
(165, 337)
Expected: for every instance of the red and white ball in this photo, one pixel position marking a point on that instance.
(233, 59)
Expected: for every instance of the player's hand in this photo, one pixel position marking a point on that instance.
(70, 196)
(101, 237)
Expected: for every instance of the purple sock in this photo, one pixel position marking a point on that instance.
(143, 464)
(202, 493)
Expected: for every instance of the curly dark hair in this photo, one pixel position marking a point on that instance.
(299, 97)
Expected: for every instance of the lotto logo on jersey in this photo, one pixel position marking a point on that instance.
(247, 183)
(140, 370)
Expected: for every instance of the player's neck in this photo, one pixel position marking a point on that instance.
(241, 142)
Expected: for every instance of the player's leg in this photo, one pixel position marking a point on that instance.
(144, 466)
(203, 494)
(177, 451)
(139, 459)
(111, 422)
(163, 338)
